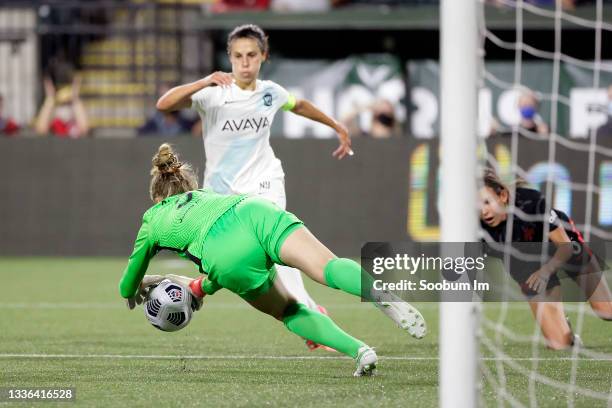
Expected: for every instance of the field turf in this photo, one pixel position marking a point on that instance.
(62, 324)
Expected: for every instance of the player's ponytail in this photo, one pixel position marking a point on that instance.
(169, 176)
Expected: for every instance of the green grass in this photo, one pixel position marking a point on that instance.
(72, 307)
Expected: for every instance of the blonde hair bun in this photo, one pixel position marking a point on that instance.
(169, 176)
(165, 161)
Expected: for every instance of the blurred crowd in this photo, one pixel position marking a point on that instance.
(293, 6)
(324, 5)
(63, 115)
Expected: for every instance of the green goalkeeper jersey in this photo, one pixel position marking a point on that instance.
(179, 223)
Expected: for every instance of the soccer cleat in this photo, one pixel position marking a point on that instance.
(406, 316)
(311, 345)
(576, 340)
(366, 362)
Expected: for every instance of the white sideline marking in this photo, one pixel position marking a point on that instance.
(239, 357)
(120, 304)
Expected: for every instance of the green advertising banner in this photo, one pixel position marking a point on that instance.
(579, 94)
(344, 89)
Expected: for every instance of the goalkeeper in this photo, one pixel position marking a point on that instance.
(235, 240)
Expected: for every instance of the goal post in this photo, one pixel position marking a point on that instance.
(458, 215)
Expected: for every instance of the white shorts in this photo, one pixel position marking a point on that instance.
(273, 190)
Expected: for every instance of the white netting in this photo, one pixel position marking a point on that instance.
(517, 369)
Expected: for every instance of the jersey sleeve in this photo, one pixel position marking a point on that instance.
(286, 100)
(138, 262)
(200, 101)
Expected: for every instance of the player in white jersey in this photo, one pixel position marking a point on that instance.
(237, 111)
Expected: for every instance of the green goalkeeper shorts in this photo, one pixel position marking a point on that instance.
(241, 248)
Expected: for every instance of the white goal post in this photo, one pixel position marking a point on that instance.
(458, 215)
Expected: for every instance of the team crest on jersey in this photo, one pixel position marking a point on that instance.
(246, 124)
(528, 233)
(267, 99)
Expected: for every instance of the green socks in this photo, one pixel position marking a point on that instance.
(340, 273)
(319, 328)
(345, 274)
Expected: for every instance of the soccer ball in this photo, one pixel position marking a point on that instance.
(169, 306)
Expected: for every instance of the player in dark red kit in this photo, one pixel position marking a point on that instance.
(570, 253)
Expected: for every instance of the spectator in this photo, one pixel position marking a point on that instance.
(168, 123)
(63, 113)
(383, 124)
(565, 4)
(224, 6)
(531, 121)
(606, 128)
(8, 127)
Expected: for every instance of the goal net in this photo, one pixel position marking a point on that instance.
(569, 102)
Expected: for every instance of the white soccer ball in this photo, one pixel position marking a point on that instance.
(169, 306)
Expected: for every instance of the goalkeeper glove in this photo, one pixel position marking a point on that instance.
(143, 290)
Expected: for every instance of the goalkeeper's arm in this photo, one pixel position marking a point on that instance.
(138, 263)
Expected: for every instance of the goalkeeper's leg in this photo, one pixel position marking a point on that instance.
(304, 251)
(292, 280)
(307, 323)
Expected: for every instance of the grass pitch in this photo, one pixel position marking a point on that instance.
(62, 324)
